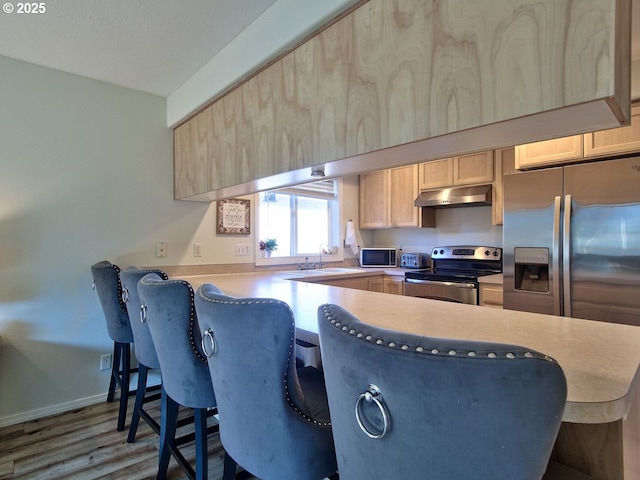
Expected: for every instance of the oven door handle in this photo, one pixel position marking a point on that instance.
(440, 282)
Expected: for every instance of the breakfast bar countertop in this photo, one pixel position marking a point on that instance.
(600, 360)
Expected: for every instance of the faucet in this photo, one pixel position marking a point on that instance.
(306, 265)
(324, 248)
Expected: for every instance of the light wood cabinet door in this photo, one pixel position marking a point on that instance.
(473, 169)
(403, 190)
(549, 152)
(386, 198)
(616, 140)
(374, 203)
(392, 284)
(491, 295)
(436, 174)
(470, 169)
(360, 283)
(376, 284)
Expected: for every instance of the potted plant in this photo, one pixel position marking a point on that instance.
(269, 245)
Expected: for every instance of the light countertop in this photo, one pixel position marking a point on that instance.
(491, 279)
(600, 360)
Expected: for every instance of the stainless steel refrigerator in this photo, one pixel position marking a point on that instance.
(572, 241)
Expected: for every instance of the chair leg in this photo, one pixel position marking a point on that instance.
(138, 405)
(115, 365)
(125, 377)
(168, 425)
(229, 472)
(200, 418)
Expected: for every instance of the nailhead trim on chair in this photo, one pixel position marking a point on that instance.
(290, 354)
(432, 351)
(192, 318)
(122, 304)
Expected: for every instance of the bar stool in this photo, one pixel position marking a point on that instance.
(106, 281)
(144, 349)
(274, 418)
(406, 406)
(167, 307)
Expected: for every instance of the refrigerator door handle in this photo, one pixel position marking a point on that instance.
(566, 256)
(555, 266)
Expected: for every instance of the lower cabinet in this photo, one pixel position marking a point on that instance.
(490, 295)
(378, 283)
(393, 284)
(359, 283)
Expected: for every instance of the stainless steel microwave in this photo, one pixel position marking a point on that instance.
(378, 257)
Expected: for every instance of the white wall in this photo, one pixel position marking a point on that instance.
(86, 175)
(455, 226)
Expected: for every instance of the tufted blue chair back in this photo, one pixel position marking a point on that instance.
(273, 421)
(454, 409)
(106, 281)
(145, 350)
(172, 322)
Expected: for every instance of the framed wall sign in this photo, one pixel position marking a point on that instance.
(233, 216)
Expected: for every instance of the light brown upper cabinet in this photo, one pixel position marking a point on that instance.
(374, 199)
(436, 174)
(403, 190)
(549, 152)
(386, 198)
(616, 140)
(604, 143)
(394, 74)
(472, 169)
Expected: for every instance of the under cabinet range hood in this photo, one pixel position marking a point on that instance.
(455, 197)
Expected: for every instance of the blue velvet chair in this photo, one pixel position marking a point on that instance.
(274, 420)
(167, 307)
(106, 281)
(407, 406)
(145, 351)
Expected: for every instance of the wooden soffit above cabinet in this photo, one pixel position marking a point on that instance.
(402, 82)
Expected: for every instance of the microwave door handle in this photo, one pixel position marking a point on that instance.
(555, 267)
(566, 256)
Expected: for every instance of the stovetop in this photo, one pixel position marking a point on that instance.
(460, 264)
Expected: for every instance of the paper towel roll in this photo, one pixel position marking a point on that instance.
(350, 238)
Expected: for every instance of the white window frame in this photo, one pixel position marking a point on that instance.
(338, 256)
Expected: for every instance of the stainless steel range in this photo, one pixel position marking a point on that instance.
(454, 273)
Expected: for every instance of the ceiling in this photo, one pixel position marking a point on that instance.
(147, 45)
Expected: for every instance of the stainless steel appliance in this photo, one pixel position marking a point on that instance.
(414, 260)
(572, 241)
(454, 273)
(378, 257)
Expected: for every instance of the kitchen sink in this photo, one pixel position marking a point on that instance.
(322, 271)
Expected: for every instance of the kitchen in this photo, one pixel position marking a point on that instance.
(57, 214)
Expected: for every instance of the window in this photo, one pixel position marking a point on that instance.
(303, 219)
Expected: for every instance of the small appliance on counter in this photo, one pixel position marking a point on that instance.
(378, 257)
(414, 260)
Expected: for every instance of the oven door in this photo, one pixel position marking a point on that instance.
(458, 292)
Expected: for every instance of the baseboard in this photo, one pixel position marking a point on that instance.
(51, 410)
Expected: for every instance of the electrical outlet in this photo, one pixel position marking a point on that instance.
(105, 361)
(242, 249)
(197, 249)
(161, 249)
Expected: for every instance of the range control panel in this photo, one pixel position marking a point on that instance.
(467, 253)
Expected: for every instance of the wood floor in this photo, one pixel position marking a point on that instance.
(84, 444)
